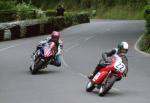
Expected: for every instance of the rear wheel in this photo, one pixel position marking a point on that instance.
(107, 86)
(90, 86)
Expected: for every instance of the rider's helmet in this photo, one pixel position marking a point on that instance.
(55, 36)
(123, 47)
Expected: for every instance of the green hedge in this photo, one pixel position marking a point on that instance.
(69, 19)
(44, 26)
(21, 11)
(145, 42)
(147, 18)
(12, 15)
(25, 11)
(7, 4)
(7, 15)
(23, 15)
(83, 17)
(50, 13)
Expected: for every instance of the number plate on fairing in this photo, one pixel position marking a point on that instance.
(120, 66)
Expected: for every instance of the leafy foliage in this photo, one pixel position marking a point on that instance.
(69, 19)
(6, 10)
(5, 4)
(25, 11)
(147, 18)
(50, 12)
(145, 42)
(120, 12)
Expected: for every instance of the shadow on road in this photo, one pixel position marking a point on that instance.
(113, 93)
(109, 94)
(44, 72)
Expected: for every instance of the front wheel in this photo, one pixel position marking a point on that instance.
(90, 86)
(34, 68)
(107, 86)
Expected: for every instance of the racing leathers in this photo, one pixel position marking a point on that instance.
(114, 52)
(59, 46)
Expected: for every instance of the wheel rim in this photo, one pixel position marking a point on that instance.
(30, 68)
(89, 85)
(101, 90)
(32, 65)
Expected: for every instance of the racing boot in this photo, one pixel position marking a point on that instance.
(91, 76)
(98, 67)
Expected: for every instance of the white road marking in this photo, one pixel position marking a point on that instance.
(12, 46)
(116, 89)
(67, 65)
(6, 48)
(73, 46)
(136, 46)
(82, 75)
(64, 62)
(90, 37)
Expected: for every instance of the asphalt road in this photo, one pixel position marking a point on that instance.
(83, 45)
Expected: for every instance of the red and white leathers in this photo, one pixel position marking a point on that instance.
(59, 44)
(114, 52)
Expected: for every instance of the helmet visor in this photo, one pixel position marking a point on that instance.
(123, 51)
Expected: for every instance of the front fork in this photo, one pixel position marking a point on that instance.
(35, 55)
(105, 80)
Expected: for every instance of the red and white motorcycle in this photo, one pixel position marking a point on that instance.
(107, 76)
(43, 57)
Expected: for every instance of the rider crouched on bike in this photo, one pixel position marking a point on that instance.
(55, 37)
(121, 51)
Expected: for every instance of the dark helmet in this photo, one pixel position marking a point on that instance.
(123, 47)
(55, 36)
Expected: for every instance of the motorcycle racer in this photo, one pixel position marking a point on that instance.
(55, 37)
(120, 51)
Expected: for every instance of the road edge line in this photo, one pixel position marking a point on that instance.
(137, 48)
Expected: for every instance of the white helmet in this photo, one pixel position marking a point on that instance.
(123, 47)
